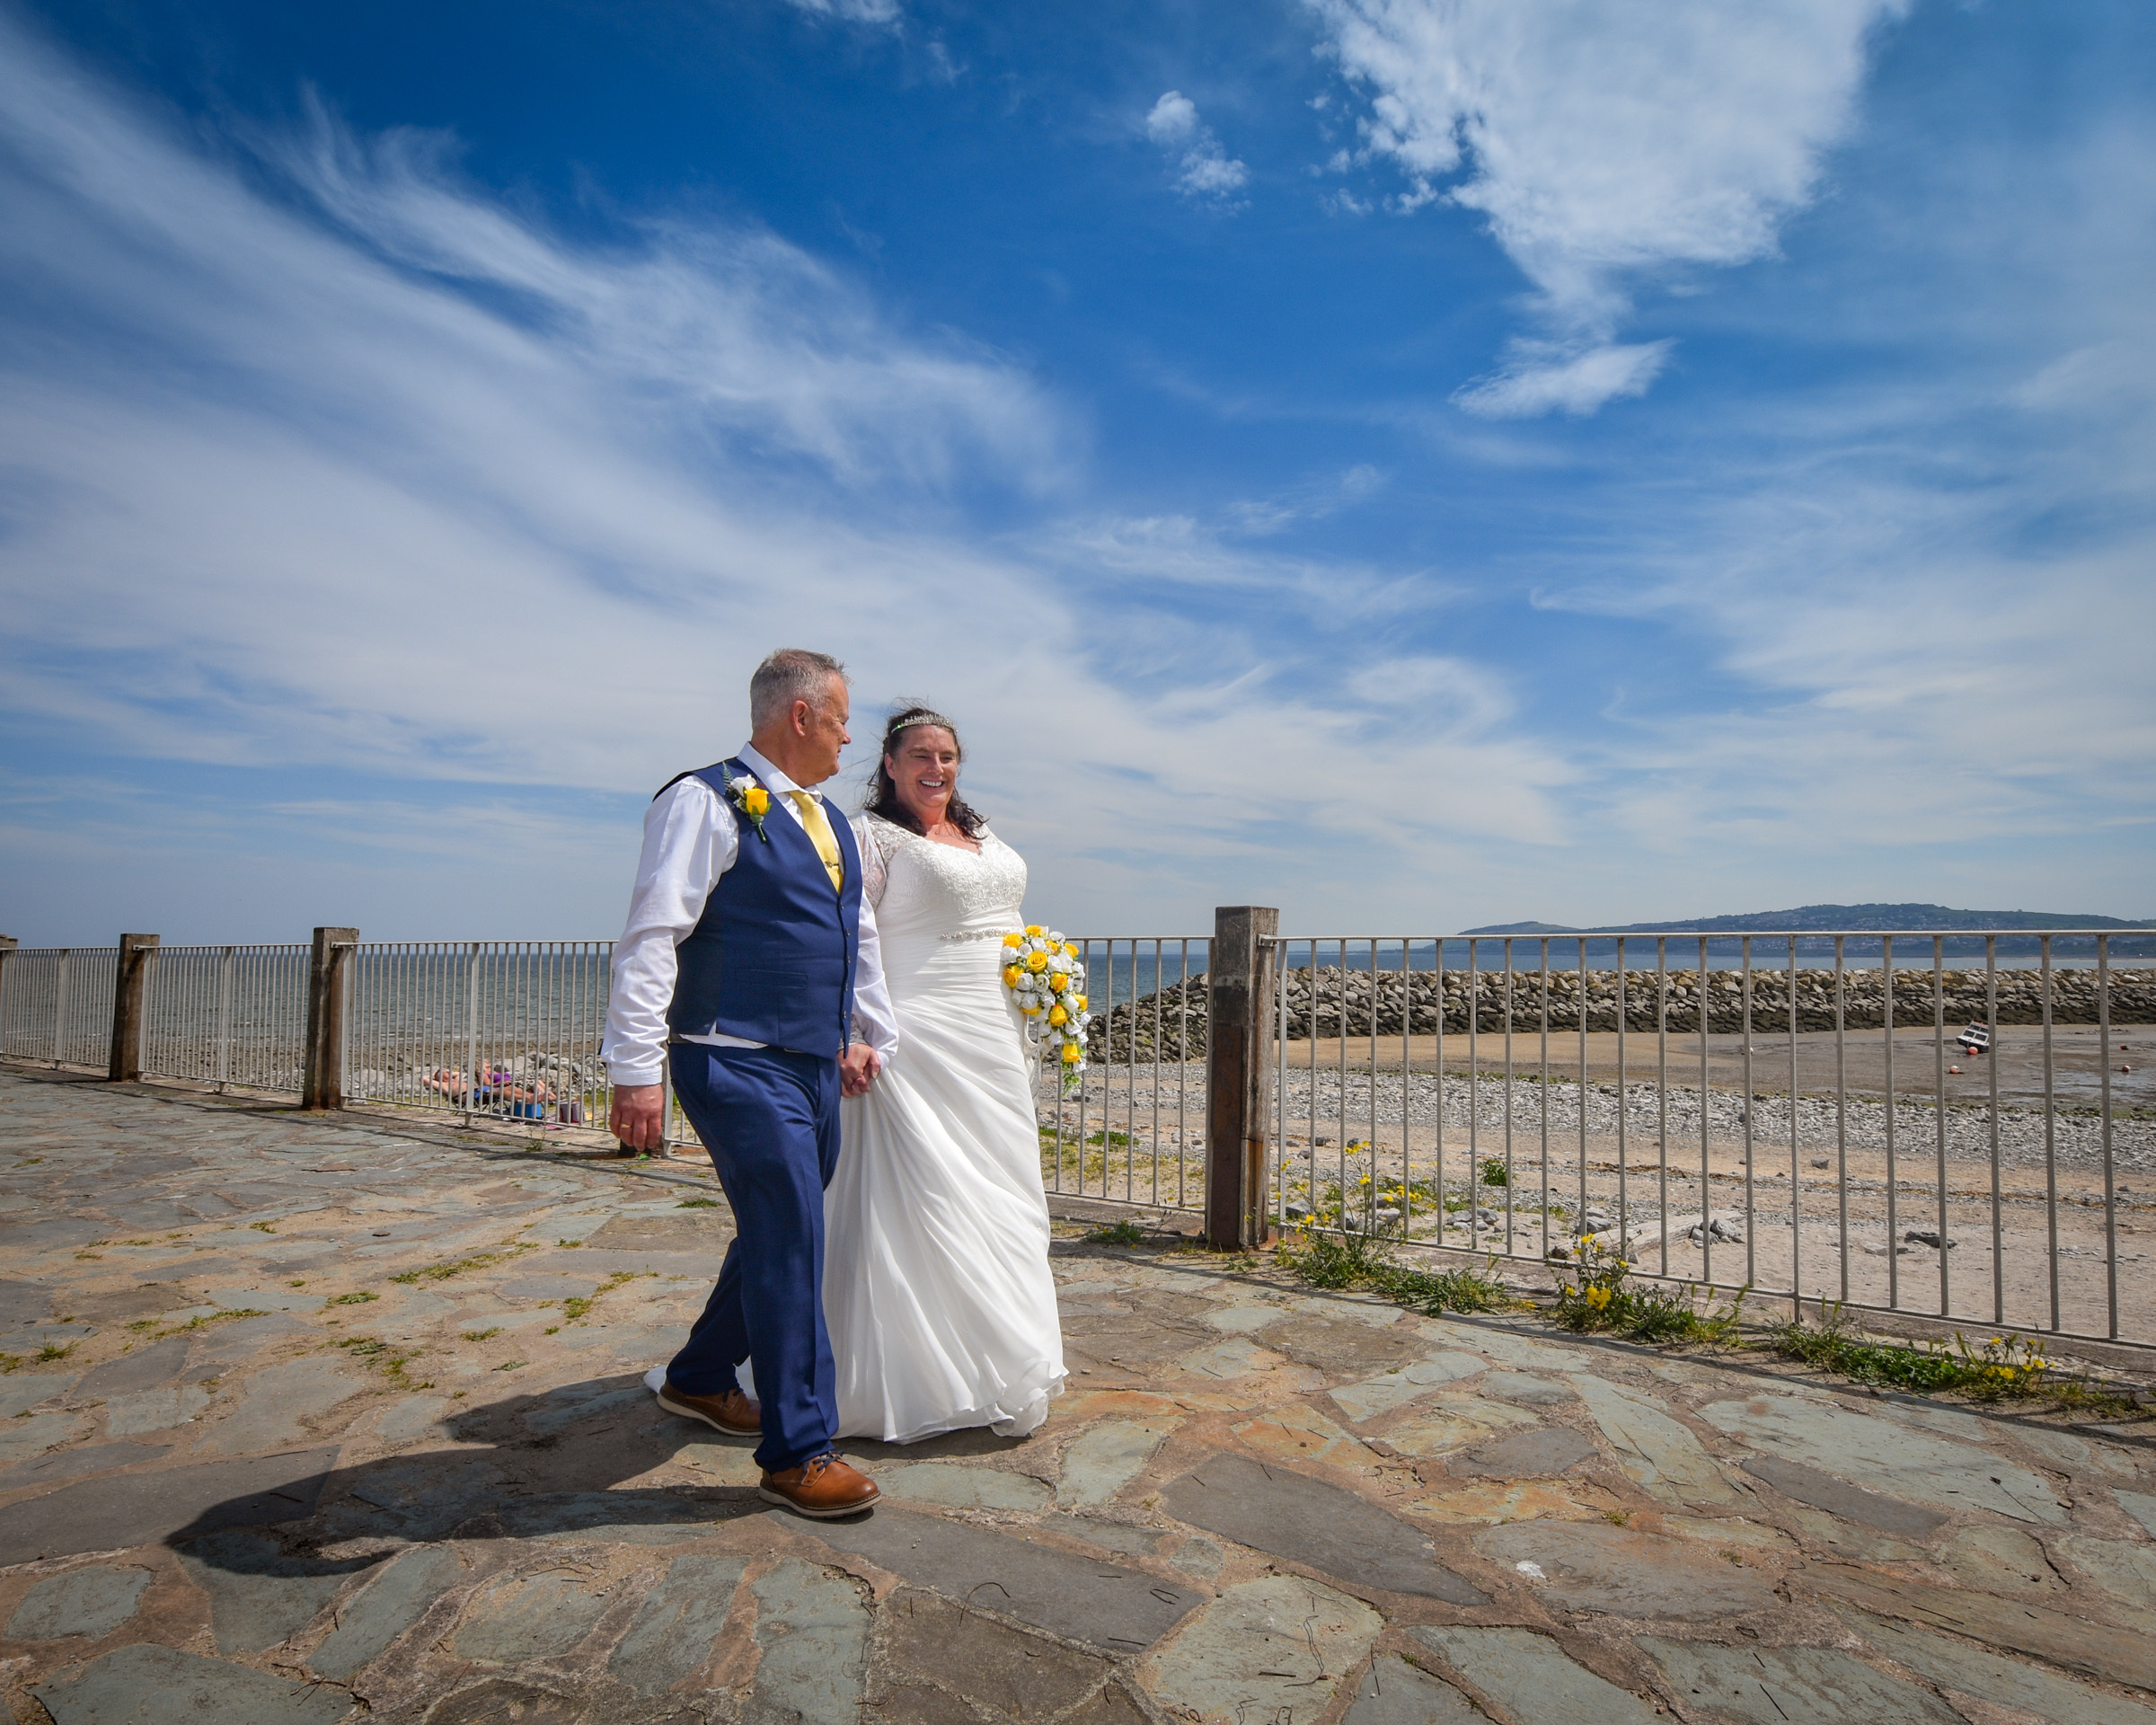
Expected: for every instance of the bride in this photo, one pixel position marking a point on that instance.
(936, 1285)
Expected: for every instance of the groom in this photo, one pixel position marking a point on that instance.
(750, 951)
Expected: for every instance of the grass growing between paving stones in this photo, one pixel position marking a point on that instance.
(1360, 1261)
(2005, 1368)
(205, 1320)
(360, 1298)
(697, 1204)
(385, 1360)
(458, 1267)
(573, 1309)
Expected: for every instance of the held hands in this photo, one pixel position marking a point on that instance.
(638, 1117)
(857, 1069)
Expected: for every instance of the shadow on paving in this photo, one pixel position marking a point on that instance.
(527, 1466)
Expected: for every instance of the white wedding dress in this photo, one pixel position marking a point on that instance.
(936, 1285)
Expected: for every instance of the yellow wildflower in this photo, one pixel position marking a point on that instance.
(1037, 962)
(1597, 1297)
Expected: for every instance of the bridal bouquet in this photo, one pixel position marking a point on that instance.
(1042, 968)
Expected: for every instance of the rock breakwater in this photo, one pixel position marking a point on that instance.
(1328, 1001)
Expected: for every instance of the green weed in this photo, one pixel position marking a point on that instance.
(574, 1307)
(1494, 1172)
(1117, 1234)
(204, 1320)
(477, 1261)
(2004, 1368)
(1602, 1300)
(386, 1360)
(360, 1297)
(481, 1335)
(1343, 1260)
(697, 1204)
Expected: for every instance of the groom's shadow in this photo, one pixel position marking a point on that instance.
(526, 1467)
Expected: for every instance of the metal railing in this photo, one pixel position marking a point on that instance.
(1898, 1138)
(507, 1030)
(1131, 1130)
(58, 1004)
(228, 1015)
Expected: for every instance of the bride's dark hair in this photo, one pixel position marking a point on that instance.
(883, 795)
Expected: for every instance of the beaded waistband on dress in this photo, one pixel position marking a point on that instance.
(976, 934)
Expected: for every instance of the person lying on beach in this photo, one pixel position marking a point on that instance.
(495, 1088)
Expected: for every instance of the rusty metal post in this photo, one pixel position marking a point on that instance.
(129, 987)
(327, 967)
(1239, 972)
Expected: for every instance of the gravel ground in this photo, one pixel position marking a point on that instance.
(1343, 1109)
(2078, 1139)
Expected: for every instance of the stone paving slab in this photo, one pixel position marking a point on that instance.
(427, 1484)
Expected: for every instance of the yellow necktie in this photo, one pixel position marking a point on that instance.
(820, 835)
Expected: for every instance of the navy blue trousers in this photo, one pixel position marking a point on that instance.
(770, 1118)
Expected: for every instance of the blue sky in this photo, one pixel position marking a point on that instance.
(1418, 463)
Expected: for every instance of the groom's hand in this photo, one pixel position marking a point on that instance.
(857, 1069)
(638, 1118)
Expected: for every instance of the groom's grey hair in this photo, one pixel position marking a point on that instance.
(790, 675)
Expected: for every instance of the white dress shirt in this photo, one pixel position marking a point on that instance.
(692, 836)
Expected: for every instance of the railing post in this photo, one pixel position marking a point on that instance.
(327, 964)
(59, 1009)
(124, 1060)
(1238, 1057)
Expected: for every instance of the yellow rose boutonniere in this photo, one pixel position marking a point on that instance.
(751, 799)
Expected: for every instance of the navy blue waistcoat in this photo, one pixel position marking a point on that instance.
(771, 958)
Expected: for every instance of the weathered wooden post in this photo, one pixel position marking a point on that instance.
(128, 988)
(327, 967)
(1239, 988)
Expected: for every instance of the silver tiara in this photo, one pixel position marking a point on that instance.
(924, 717)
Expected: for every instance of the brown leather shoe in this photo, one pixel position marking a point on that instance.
(732, 1411)
(823, 1486)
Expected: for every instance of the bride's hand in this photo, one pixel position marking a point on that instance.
(857, 1069)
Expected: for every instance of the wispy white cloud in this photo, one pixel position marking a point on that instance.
(852, 12)
(1203, 171)
(1604, 141)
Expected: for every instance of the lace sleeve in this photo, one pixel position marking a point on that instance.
(874, 839)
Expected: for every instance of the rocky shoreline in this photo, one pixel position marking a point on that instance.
(1330, 1001)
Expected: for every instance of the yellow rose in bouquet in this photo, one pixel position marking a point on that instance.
(1046, 976)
